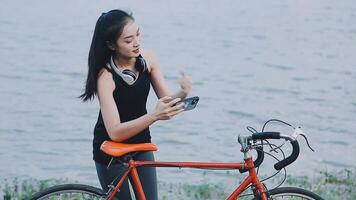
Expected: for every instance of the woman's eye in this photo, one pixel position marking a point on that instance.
(128, 41)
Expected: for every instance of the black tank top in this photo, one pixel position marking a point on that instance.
(131, 103)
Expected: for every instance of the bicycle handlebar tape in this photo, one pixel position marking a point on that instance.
(281, 164)
(266, 135)
(258, 161)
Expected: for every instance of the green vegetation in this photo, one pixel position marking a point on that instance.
(330, 185)
(23, 189)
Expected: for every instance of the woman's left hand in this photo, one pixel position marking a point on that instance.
(185, 83)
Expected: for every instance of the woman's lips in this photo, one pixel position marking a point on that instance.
(136, 51)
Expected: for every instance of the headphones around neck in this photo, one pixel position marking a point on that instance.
(127, 75)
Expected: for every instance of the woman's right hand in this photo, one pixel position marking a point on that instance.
(167, 107)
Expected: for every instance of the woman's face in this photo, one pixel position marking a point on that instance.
(129, 41)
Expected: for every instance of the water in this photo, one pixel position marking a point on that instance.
(249, 62)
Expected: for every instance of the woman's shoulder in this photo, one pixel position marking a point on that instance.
(147, 53)
(105, 78)
(104, 73)
(150, 58)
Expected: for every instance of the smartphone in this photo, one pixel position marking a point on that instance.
(190, 103)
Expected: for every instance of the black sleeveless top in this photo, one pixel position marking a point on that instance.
(131, 103)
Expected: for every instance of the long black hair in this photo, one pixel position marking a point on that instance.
(108, 29)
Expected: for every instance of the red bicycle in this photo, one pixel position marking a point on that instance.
(252, 182)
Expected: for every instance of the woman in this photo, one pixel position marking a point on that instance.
(120, 74)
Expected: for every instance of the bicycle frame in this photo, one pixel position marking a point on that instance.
(125, 153)
(248, 164)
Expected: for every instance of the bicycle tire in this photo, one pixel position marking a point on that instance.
(292, 193)
(69, 191)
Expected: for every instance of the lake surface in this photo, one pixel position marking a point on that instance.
(249, 62)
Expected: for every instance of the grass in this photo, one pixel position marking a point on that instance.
(339, 185)
(16, 189)
(330, 185)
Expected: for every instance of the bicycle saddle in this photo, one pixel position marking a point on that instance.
(119, 149)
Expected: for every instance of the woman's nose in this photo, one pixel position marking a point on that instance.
(136, 42)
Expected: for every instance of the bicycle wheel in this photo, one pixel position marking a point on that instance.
(69, 192)
(292, 193)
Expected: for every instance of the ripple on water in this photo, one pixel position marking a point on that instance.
(241, 114)
(46, 153)
(12, 77)
(332, 129)
(338, 164)
(332, 56)
(303, 79)
(314, 99)
(248, 75)
(343, 143)
(324, 71)
(66, 140)
(277, 91)
(280, 67)
(198, 83)
(175, 142)
(259, 37)
(72, 74)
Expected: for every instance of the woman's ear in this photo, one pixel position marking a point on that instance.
(110, 45)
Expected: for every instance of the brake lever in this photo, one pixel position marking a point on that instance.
(298, 131)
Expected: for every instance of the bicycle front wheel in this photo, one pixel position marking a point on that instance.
(292, 193)
(69, 192)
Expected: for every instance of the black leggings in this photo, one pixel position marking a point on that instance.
(147, 177)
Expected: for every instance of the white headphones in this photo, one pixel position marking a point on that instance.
(127, 75)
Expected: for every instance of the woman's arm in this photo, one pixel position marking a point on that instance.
(159, 84)
(122, 131)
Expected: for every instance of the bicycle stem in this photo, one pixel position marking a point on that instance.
(243, 140)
